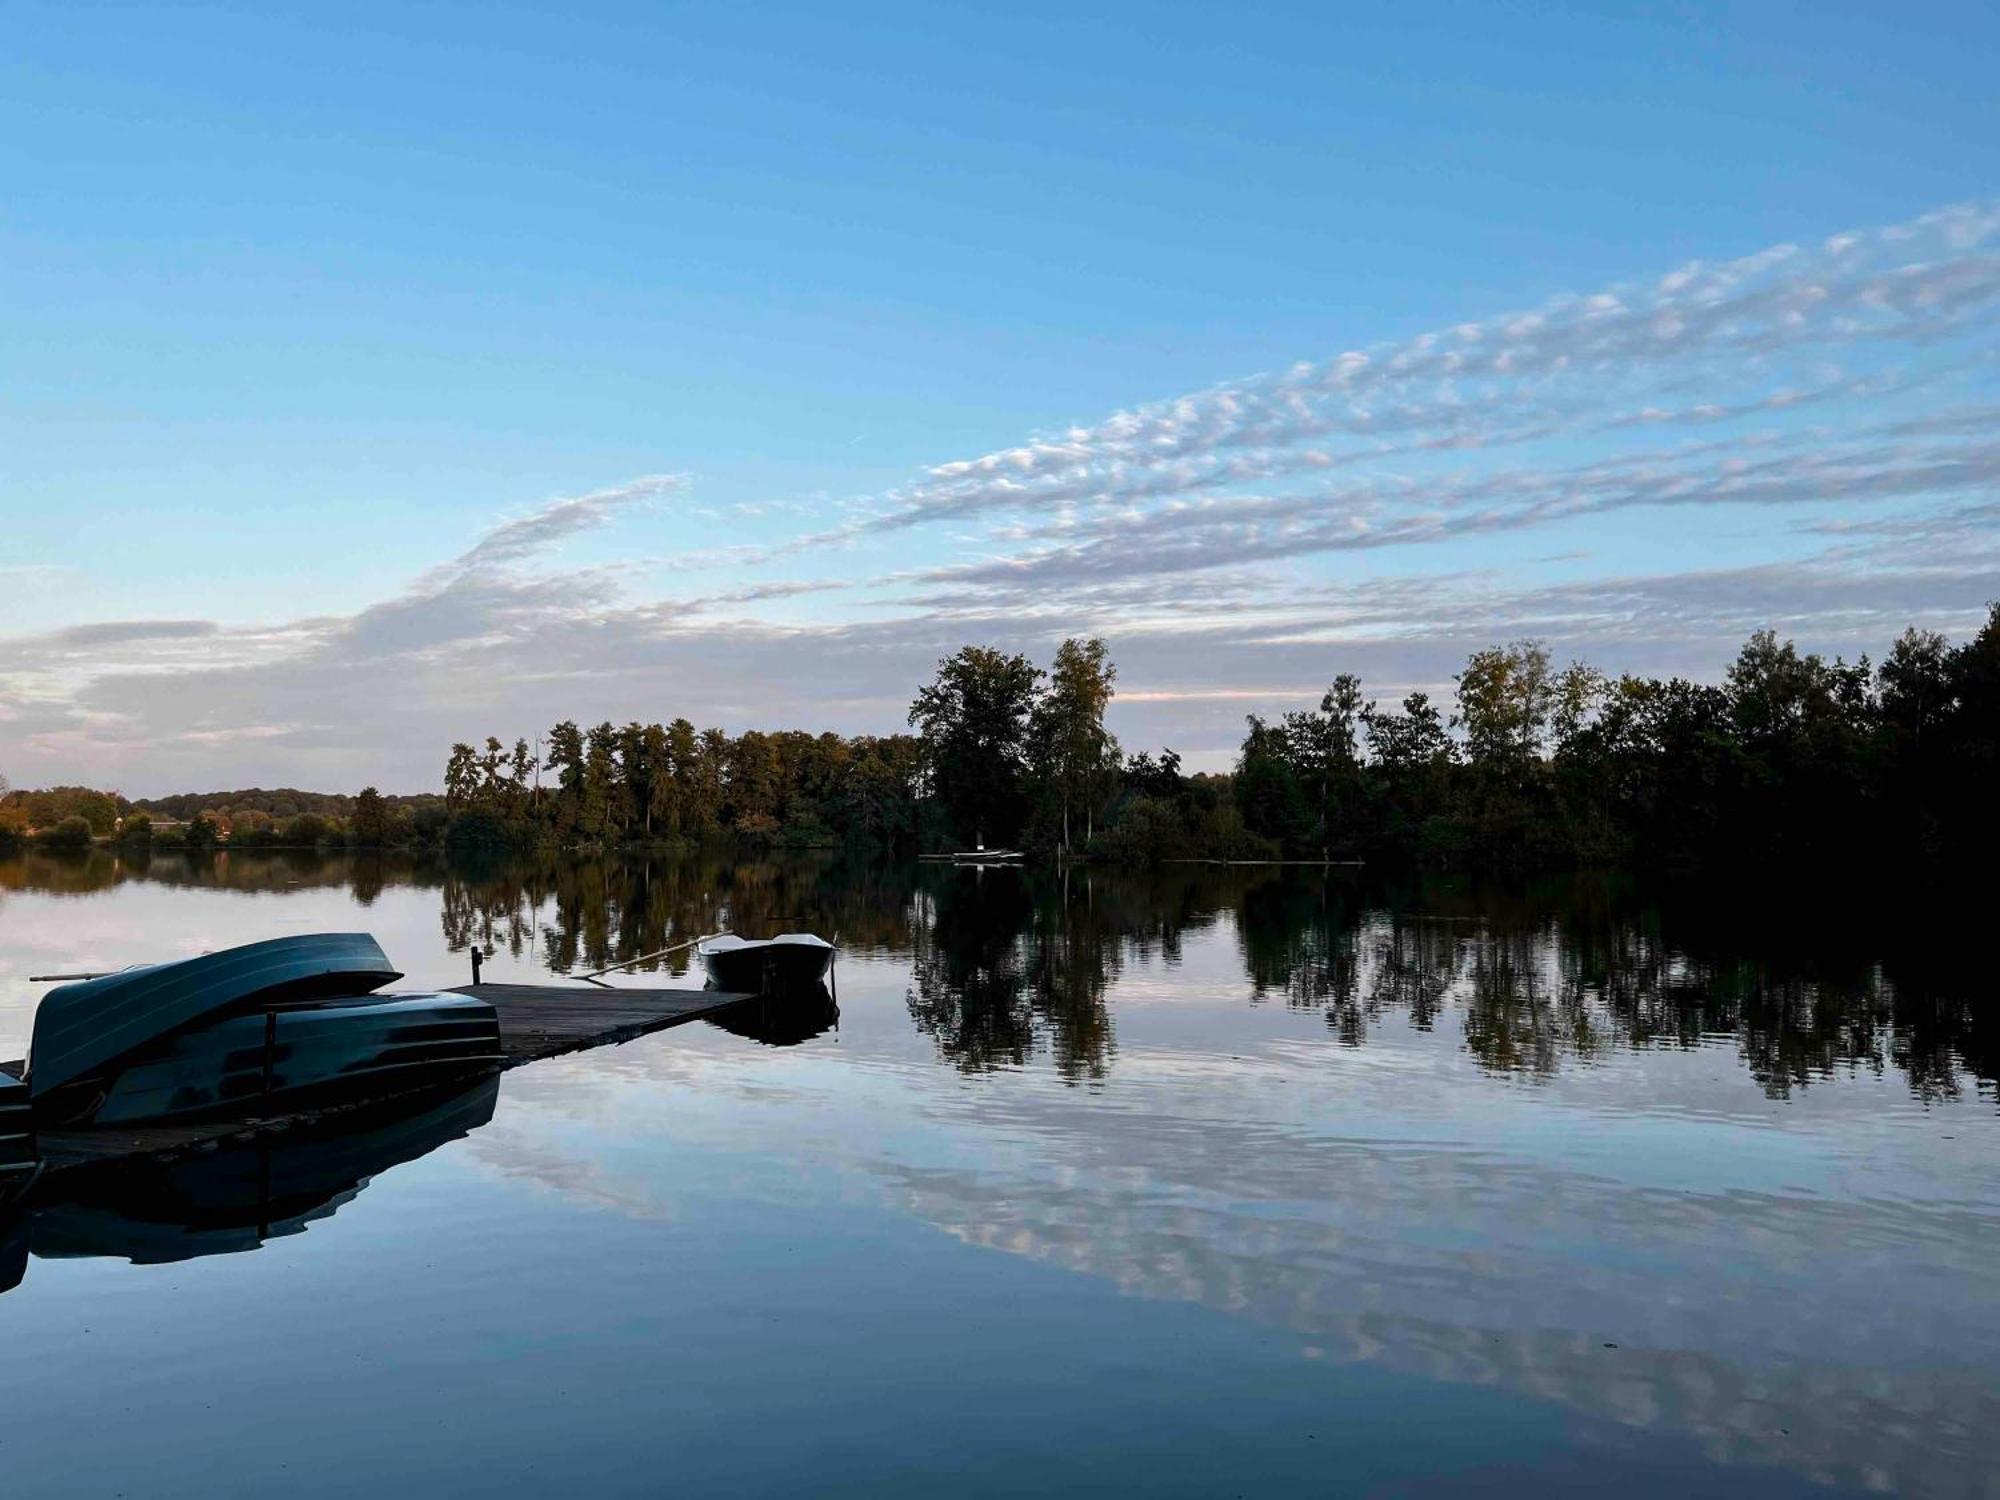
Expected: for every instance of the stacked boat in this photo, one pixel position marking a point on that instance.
(18, 1157)
(273, 1027)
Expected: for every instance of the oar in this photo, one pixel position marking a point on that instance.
(593, 976)
(62, 978)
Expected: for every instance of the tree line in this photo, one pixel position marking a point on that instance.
(1789, 758)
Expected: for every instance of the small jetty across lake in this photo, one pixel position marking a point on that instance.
(536, 1021)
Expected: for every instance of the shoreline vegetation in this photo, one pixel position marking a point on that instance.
(1790, 758)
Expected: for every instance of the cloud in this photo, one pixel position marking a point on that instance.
(120, 632)
(518, 540)
(1399, 513)
(1577, 365)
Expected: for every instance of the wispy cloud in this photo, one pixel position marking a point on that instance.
(1579, 364)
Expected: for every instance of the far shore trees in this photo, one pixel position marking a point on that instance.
(1790, 759)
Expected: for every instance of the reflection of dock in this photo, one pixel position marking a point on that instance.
(536, 1021)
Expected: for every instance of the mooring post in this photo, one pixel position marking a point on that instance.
(476, 956)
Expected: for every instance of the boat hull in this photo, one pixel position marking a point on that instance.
(288, 1059)
(767, 968)
(18, 1156)
(80, 1029)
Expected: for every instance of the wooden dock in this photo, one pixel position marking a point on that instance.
(536, 1021)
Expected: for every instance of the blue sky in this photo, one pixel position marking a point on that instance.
(305, 307)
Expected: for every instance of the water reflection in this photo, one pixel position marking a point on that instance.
(1007, 966)
(1002, 963)
(781, 1020)
(233, 1198)
(1660, 1163)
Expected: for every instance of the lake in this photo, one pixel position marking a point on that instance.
(1199, 1182)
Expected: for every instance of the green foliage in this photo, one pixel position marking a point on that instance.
(43, 810)
(480, 830)
(1794, 758)
(369, 826)
(278, 803)
(972, 721)
(71, 834)
(136, 831)
(308, 830)
(1074, 757)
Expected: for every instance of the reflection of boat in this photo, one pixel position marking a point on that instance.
(13, 1248)
(284, 1024)
(782, 1020)
(150, 1211)
(791, 960)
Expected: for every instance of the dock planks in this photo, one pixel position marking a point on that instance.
(536, 1021)
(547, 1020)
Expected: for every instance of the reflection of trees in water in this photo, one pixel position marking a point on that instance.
(1009, 963)
(586, 914)
(1562, 972)
(272, 871)
(1005, 961)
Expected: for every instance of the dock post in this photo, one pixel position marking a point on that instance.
(476, 956)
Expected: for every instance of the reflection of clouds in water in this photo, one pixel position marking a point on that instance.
(521, 1155)
(1751, 1325)
(1469, 1136)
(1848, 1309)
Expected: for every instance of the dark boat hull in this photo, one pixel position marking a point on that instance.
(18, 1156)
(284, 1060)
(767, 968)
(81, 1029)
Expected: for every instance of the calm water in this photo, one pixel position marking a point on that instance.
(1204, 1184)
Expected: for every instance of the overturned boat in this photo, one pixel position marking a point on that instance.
(790, 961)
(272, 1027)
(19, 1159)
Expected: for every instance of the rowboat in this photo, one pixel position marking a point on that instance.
(789, 961)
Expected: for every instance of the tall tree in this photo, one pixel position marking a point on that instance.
(600, 783)
(972, 720)
(1072, 749)
(461, 778)
(1504, 698)
(521, 773)
(661, 790)
(369, 826)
